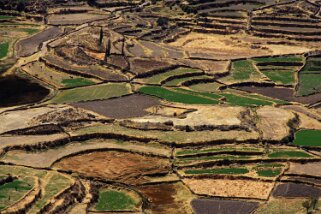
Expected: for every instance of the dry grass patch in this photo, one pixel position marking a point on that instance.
(230, 188)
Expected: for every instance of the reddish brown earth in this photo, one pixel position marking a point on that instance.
(122, 167)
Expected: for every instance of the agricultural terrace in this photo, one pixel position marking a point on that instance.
(160, 107)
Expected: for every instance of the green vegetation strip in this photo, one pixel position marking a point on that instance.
(236, 171)
(308, 138)
(175, 96)
(215, 157)
(283, 77)
(243, 70)
(268, 172)
(76, 82)
(289, 154)
(192, 97)
(5, 17)
(97, 92)
(191, 152)
(53, 186)
(280, 59)
(4, 48)
(112, 200)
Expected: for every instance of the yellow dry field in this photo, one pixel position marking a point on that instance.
(230, 188)
(235, 46)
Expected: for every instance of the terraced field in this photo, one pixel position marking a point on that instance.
(188, 106)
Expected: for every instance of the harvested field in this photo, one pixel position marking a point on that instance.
(123, 167)
(308, 169)
(97, 92)
(74, 19)
(201, 206)
(206, 116)
(282, 205)
(273, 123)
(47, 157)
(168, 198)
(222, 47)
(123, 107)
(31, 45)
(293, 190)
(177, 137)
(220, 187)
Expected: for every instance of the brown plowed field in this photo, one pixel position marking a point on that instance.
(123, 107)
(117, 166)
(281, 93)
(212, 206)
(30, 45)
(296, 190)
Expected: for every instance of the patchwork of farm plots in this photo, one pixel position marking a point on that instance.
(109, 110)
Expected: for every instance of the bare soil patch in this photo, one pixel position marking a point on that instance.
(201, 206)
(296, 190)
(31, 45)
(168, 198)
(123, 107)
(74, 19)
(281, 93)
(117, 166)
(310, 169)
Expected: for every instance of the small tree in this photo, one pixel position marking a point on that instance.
(101, 36)
(108, 47)
(162, 21)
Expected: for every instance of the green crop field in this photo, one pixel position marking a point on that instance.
(243, 70)
(289, 154)
(175, 96)
(282, 77)
(5, 17)
(4, 49)
(309, 84)
(215, 157)
(54, 185)
(228, 171)
(76, 82)
(223, 149)
(280, 59)
(237, 100)
(159, 78)
(308, 138)
(111, 200)
(309, 77)
(13, 191)
(97, 92)
(268, 172)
